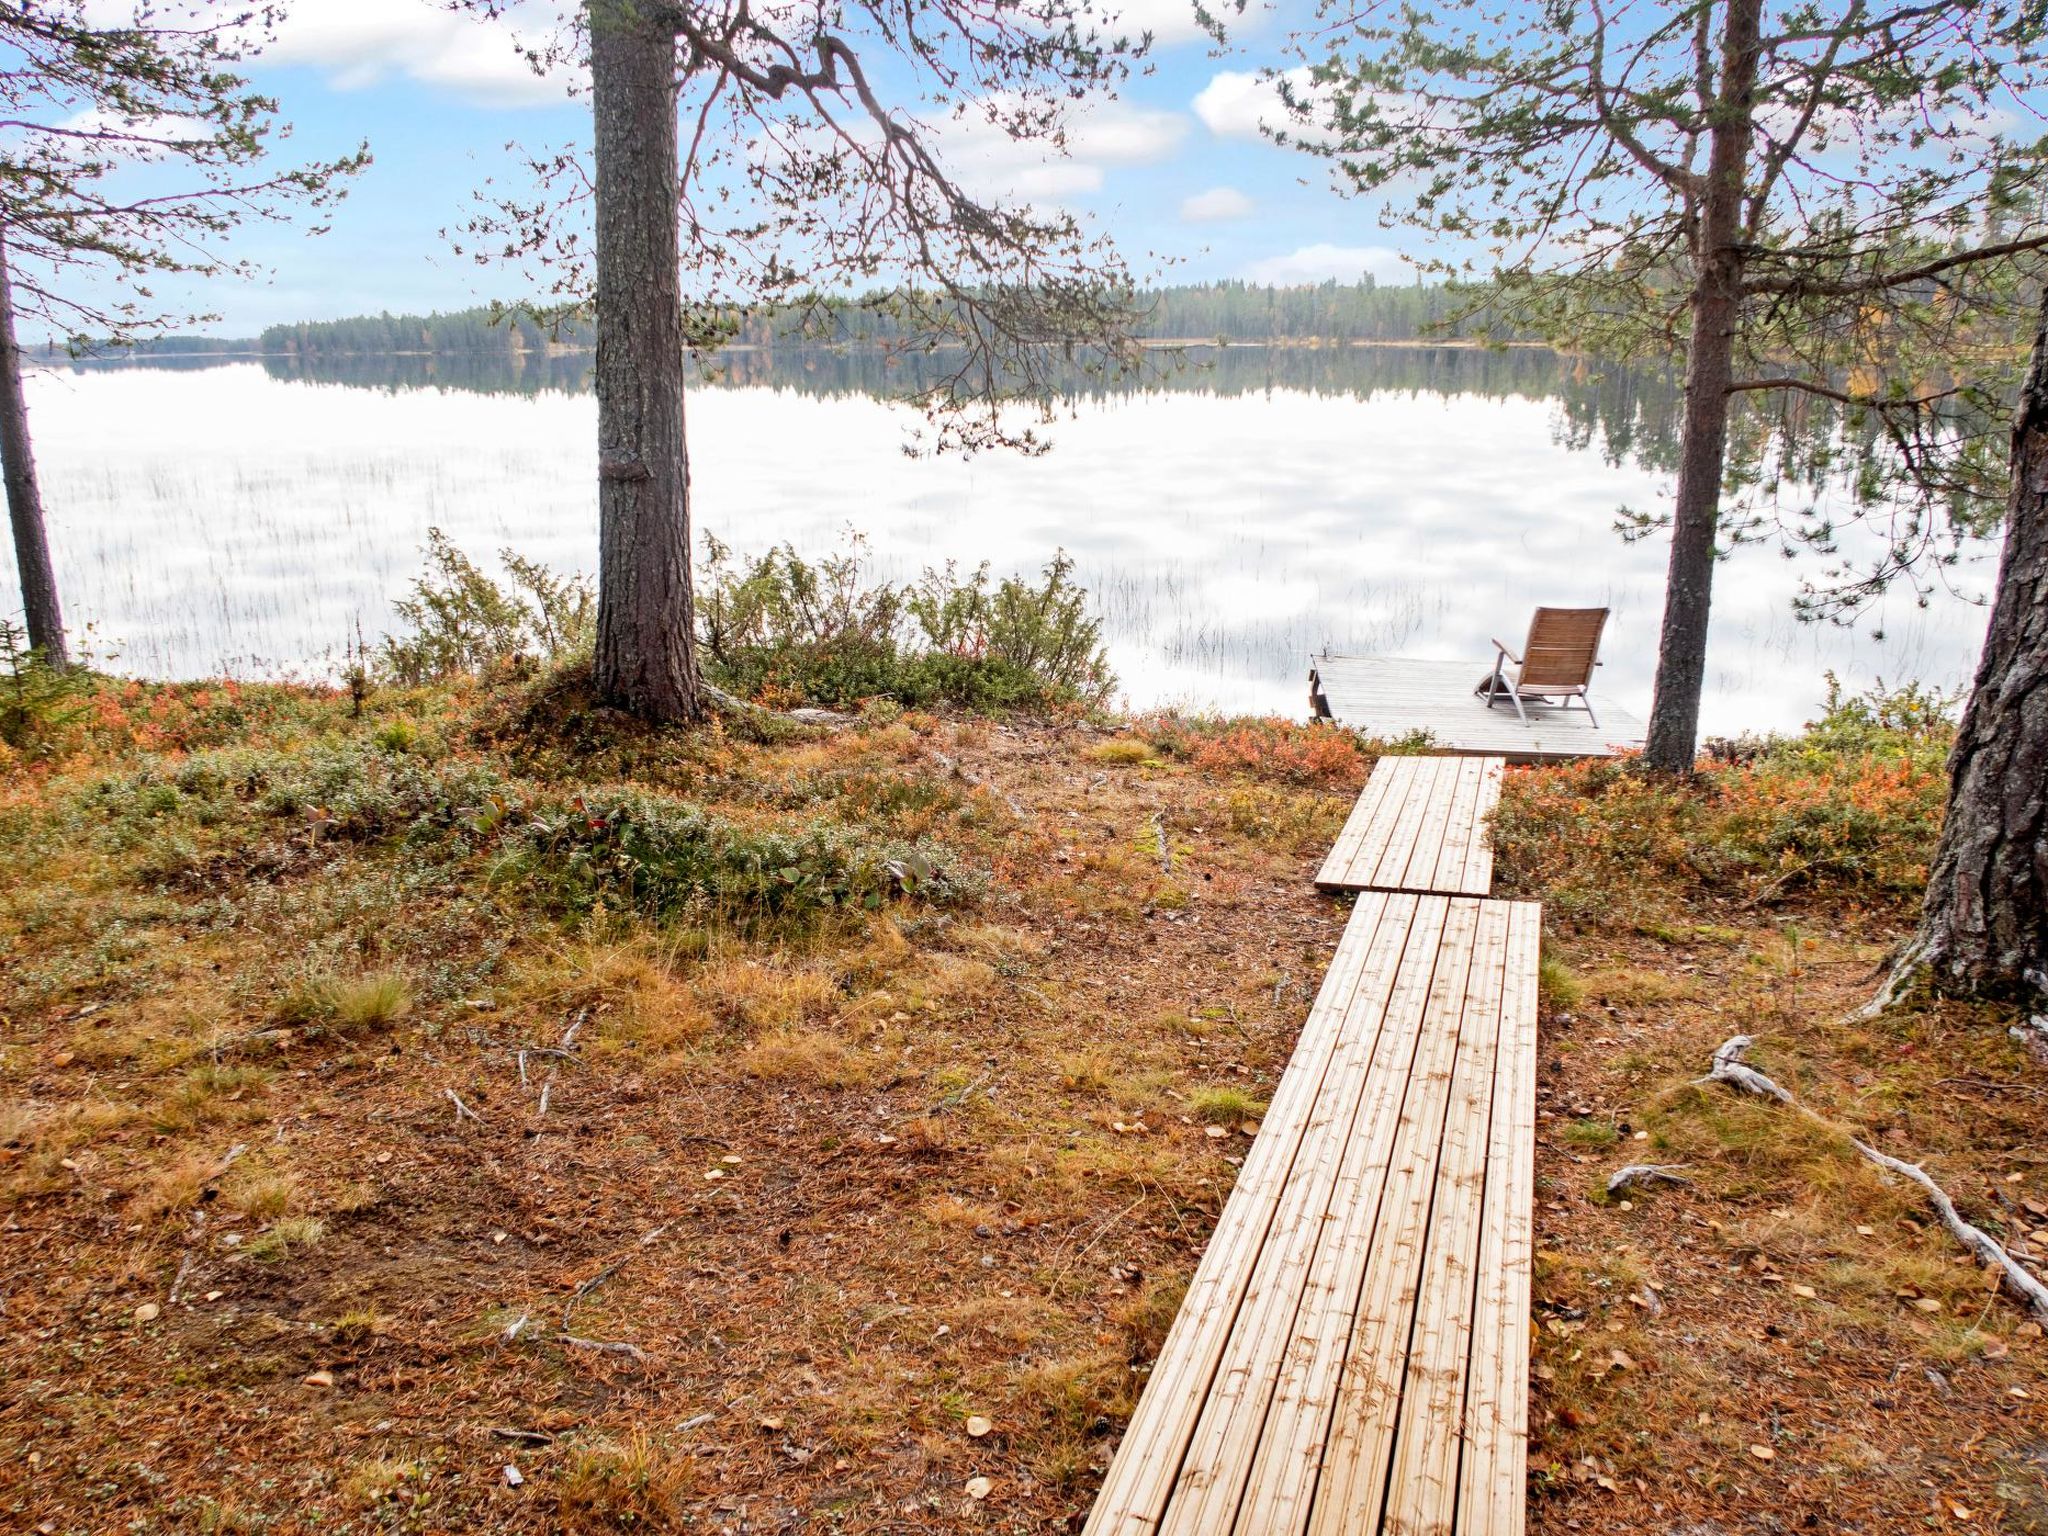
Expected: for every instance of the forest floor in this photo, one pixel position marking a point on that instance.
(480, 1114)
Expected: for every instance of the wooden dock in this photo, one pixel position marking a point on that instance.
(1352, 1356)
(1391, 697)
(1420, 825)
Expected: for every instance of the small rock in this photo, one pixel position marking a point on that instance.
(1215, 1132)
(977, 1427)
(979, 1488)
(512, 1476)
(318, 1378)
(1762, 1452)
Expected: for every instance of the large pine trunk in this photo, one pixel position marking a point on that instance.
(646, 659)
(1984, 926)
(24, 495)
(1673, 740)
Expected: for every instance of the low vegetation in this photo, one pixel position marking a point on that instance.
(802, 1125)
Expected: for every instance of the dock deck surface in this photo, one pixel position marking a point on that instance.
(1392, 696)
(1352, 1354)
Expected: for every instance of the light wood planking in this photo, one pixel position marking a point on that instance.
(1134, 1494)
(1419, 825)
(1353, 1352)
(1390, 697)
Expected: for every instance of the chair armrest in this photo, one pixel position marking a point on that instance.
(1511, 656)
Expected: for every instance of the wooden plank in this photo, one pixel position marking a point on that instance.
(1147, 1463)
(1221, 1456)
(1351, 1494)
(1435, 866)
(1402, 775)
(1377, 787)
(1353, 1354)
(1494, 1431)
(1421, 818)
(1297, 1425)
(1423, 1492)
(1479, 850)
(1416, 826)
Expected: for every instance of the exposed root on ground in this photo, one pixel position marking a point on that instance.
(1731, 1069)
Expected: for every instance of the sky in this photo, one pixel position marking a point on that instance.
(1175, 168)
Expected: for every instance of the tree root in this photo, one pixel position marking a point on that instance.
(1729, 1068)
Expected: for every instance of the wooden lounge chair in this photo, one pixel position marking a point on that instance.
(1556, 664)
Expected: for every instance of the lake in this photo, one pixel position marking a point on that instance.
(1257, 506)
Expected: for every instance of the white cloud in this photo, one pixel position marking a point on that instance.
(1099, 134)
(1319, 263)
(360, 43)
(1216, 205)
(1169, 21)
(1240, 104)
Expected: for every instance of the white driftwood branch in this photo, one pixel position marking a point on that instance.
(1645, 1173)
(1729, 1068)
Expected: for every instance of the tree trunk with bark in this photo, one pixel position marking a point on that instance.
(1673, 740)
(1984, 925)
(24, 495)
(646, 659)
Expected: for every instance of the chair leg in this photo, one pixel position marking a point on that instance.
(1589, 711)
(1515, 696)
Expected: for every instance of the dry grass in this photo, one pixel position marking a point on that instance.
(924, 1208)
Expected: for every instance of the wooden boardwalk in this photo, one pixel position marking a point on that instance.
(1420, 825)
(1391, 697)
(1352, 1355)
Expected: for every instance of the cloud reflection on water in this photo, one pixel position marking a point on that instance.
(226, 517)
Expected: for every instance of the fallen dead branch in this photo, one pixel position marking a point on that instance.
(462, 1110)
(632, 1352)
(1729, 1068)
(1645, 1173)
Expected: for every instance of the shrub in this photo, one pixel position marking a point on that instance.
(1264, 748)
(463, 621)
(667, 860)
(37, 701)
(349, 789)
(791, 630)
(1853, 802)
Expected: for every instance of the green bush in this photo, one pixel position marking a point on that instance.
(463, 621)
(36, 700)
(667, 860)
(353, 789)
(825, 633)
(1854, 802)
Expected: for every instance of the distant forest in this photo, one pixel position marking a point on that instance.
(1331, 312)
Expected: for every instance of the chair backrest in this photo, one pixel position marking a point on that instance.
(1563, 647)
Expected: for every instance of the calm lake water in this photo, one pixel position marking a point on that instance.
(246, 518)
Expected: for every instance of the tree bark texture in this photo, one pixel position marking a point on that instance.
(1673, 740)
(646, 660)
(24, 495)
(1984, 925)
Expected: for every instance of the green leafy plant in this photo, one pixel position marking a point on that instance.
(36, 700)
(826, 632)
(464, 621)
